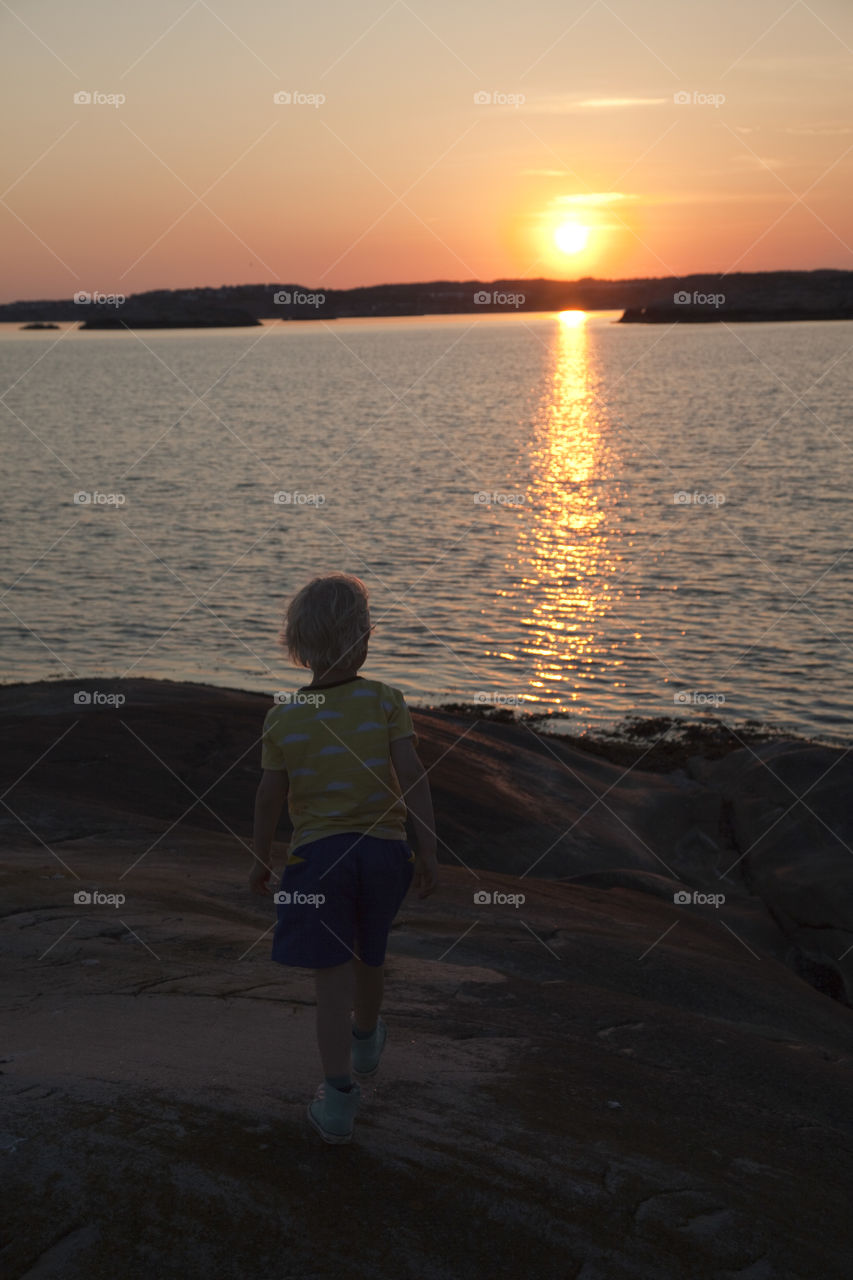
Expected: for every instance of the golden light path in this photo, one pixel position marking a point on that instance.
(565, 559)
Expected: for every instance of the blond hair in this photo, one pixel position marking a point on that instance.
(327, 622)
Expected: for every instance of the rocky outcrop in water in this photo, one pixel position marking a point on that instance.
(186, 317)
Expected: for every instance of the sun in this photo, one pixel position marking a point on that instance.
(571, 237)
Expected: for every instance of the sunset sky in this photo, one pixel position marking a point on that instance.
(385, 167)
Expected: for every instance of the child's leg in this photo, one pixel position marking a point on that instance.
(369, 987)
(334, 989)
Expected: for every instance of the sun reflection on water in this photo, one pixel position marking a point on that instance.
(566, 557)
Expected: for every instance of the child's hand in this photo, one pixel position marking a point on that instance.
(259, 880)
(426, 873)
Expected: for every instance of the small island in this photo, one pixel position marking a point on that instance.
(37, 324)
(179, 317)
(674, 313)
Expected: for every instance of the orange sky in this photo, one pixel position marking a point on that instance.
(388, 168)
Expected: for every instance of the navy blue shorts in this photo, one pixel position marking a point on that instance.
(340, 900)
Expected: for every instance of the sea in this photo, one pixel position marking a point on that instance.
(554, 513)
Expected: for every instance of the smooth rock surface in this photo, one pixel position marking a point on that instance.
(599, 1083)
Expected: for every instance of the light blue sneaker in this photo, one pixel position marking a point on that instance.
(332, 1112)
(366, 1053)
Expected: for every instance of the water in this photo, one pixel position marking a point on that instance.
(583, 589)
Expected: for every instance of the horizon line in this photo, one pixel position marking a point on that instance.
(415, 284)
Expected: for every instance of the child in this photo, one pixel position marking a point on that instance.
(342, 752)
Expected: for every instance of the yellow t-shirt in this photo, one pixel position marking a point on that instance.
(337, 757)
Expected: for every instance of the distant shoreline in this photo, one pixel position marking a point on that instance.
(655, 316)
(700, 298)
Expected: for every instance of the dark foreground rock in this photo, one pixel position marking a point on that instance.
(595, 1083)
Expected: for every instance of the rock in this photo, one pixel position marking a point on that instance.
(596, 1084)
(792, 818)
(174, 317)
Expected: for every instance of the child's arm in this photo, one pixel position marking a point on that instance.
(269, 802)
(414, 785)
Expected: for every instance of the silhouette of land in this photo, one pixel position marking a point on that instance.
(773, 295)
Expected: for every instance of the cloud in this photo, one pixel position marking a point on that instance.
(760, 162)
(714, 197)
(566, 106)
(593, 197)
(623, 102)
(579, 198)
(802, 131)
(821, 131)
(796, 64)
